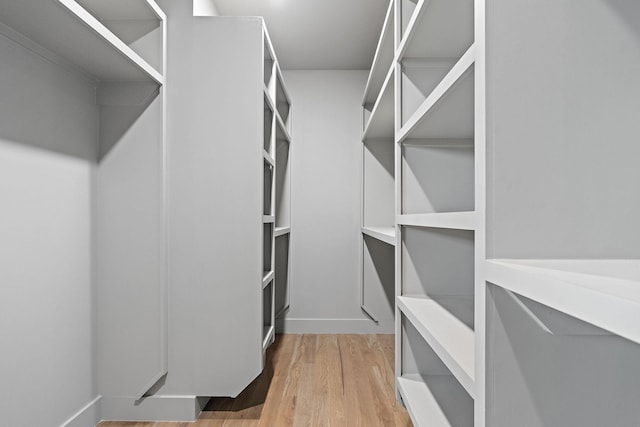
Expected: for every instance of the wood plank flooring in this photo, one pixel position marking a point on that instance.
(312, 380)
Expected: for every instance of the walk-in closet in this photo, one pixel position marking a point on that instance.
(280, 213)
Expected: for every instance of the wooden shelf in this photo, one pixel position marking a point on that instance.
(604, 293)
(281, 231)
(381, 120)
(450, 338)
(382, 61)
(71, 33)
(425, 397)
(384, 234)
(267, 277)
(447, 113)
(452, 220)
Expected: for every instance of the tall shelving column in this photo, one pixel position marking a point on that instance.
(278, 112)
(118, 51)
(269, 218)
(227, 200)
(378, 236)
(563, 267)
(439, 212)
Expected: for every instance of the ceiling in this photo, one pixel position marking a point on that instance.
(317, 34)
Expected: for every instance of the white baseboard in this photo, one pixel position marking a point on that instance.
(153, 408)
(88, 416)
(334, 326)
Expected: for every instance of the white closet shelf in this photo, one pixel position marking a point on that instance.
(604, 293)
(281, 231)
(267, 277)
(381, 121)
(452, 220)
(449, 337)
(430, 32)
(447, 113)
(68, 31)
(282, 133)
(268, 219)
(269, 333)
(268, 158)
(268, 97)
(422, 394)
(382, 60)
(384, 234)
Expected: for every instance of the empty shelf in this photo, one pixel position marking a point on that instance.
(268, 158)
(438, 29)
(384, 234)
(281, 231)
(424, 398)
(381, 120)
(70, 32)
(269, 336)
(267, 277)
(450, 338)
(381, 61)
(448, 111)
(605, 293)
(452, 220)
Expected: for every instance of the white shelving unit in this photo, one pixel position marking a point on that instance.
(282, 232)
(232, 191)
(562, 265)
(115, 51)
(378, 182)
(426, 124)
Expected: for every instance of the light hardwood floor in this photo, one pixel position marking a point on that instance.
(312, 380)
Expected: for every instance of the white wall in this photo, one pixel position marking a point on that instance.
(325, 202)
(48, 128)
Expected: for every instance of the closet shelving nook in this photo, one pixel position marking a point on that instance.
(116, 51)
(231, 198)
(277, 190)
(563, 274)
(429, 197)
(377, 182)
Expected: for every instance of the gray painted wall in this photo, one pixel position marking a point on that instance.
(325, 201)
(562, 132)
(48, 128)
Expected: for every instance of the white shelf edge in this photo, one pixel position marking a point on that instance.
(421, 404)
(268, 158)
(374, 112)
(267, 97)
(155, 8)
(452, 340)
(110, 38)
(268, 219)
(281, 231)
(282, 84)
(438, 93)
(387, 31)
(384, 234)
(595, 299)
(412, 26)
(267, 278)
(283, 128)
(450, 220)
(268, 338)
